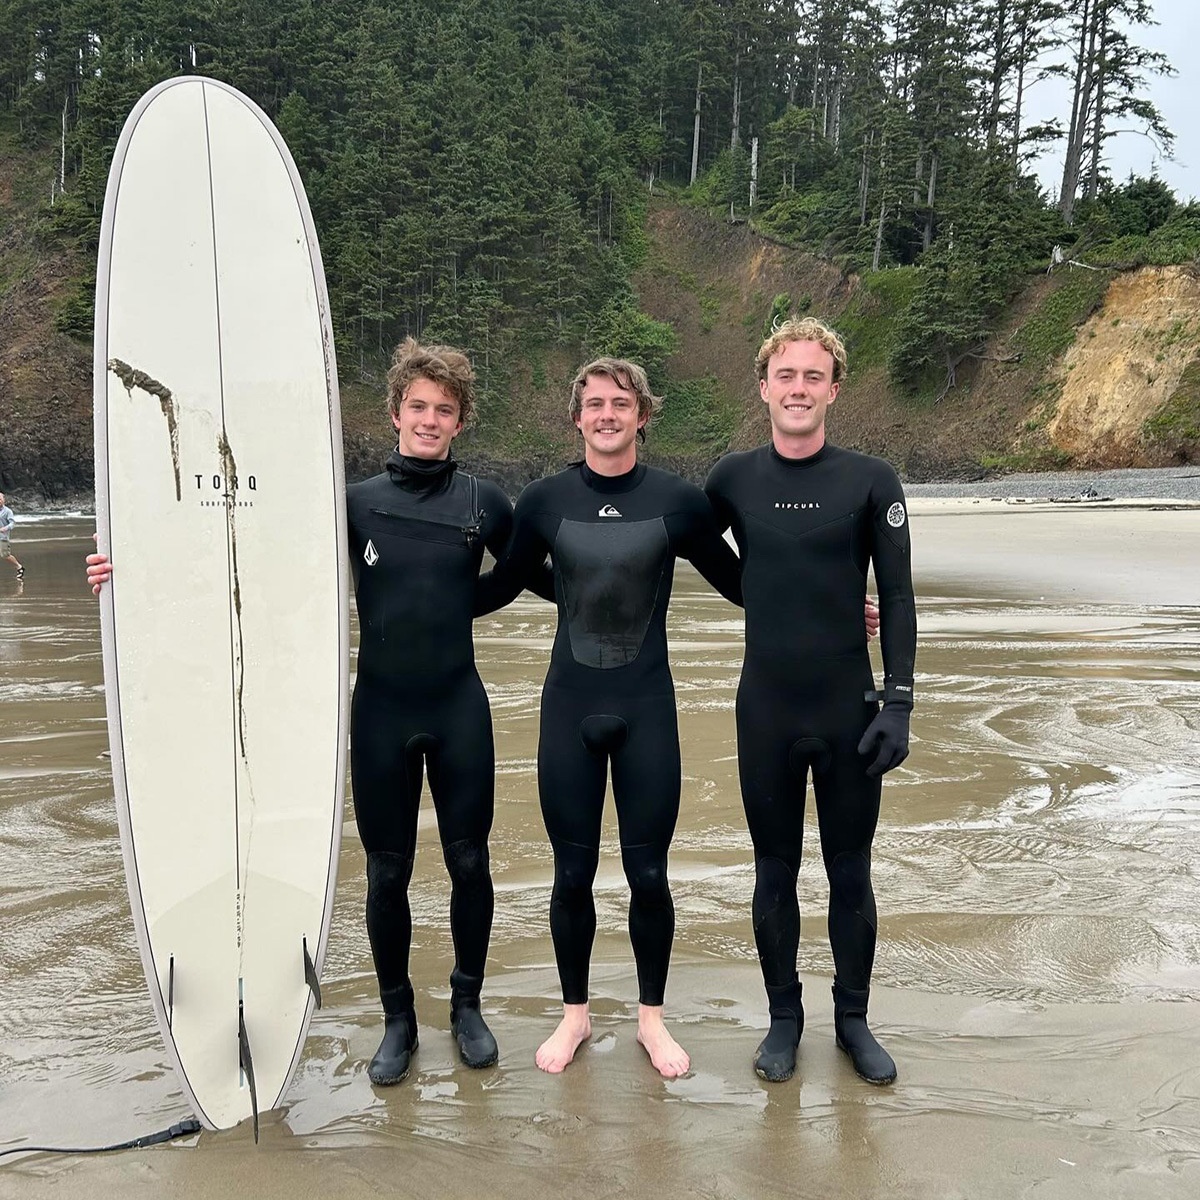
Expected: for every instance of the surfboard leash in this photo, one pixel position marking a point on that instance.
(182, 1129)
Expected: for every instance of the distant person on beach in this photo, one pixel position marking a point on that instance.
(417, 533)
(808, 519)
(6, 527)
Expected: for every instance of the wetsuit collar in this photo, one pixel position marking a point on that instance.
(611, 484)
(799, 464)
(420, 474)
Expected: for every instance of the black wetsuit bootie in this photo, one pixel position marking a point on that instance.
(476, 1045)
(871, 1061)
(394, 1056)
(775, 1058)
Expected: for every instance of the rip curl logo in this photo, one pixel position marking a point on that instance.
(609, 511)
(895, 515)
(370, 554)
(797, 504)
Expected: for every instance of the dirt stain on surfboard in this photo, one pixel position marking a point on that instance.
(132, 378)
(229, 468)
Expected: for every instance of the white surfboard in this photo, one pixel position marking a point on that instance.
(220, 498)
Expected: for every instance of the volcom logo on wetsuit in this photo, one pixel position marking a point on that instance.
(895, 515)
(797, 504)
(370, 554)
(609, 511)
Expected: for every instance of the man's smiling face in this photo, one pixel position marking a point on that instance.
(799, 387)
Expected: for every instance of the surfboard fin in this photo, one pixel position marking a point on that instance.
(171, 994)
(247, 1064)
(310, 974)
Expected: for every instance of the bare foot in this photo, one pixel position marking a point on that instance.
(559, 1048)
(667, 1056)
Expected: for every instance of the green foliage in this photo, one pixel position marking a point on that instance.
(623, 331)
(1050, 329)
(1175, 241)
(868, 323)
(1179, 419)
(1137, 208)
(74, 316)
(726, 182)
(1041, 458)
(781, 309)
(695, 418)
(802, 218)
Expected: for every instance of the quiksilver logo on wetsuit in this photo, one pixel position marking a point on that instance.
(895, 515)
(797, 504)
(370, 554)
(609, 511)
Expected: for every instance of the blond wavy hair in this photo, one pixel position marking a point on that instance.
(448, 368)
(803, 329)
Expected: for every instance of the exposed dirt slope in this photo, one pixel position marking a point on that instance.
(1125, 366)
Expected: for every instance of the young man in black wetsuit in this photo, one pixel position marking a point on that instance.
(416, 538)
(613, 528)
(808, 518)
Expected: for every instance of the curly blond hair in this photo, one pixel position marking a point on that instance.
(624, 374)
(803, 329)
(443, 365)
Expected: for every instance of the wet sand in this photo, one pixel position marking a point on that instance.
(1036, 867)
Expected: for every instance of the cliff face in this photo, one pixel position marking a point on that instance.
(1088, 368)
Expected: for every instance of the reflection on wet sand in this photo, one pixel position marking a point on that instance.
(1036, 864)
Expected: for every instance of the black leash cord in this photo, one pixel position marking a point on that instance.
(183, 1129)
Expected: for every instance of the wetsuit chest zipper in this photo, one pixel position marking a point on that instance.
(431, 529)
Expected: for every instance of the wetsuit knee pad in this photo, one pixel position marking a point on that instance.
(774, 885)
(850, 884)
(809, 752)
(646, 871)
(467, 861)
(602, 733)
(574, 870)
(388, 876)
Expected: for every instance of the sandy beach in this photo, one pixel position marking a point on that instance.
(1037, 871)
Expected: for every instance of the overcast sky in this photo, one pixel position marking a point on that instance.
(1177, 35)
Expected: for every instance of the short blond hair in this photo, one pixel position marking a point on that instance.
(448, 368)
(803, 329)
(624, 374)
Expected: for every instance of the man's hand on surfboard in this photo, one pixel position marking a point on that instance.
(99, 569)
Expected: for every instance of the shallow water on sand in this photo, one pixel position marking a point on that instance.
(1036, 868)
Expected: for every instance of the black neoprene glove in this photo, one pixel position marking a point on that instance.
(887, 738)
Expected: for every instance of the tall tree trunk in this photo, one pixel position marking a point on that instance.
(999, 69)
(929, 198)
(1021, 62)
(1093, 182)
(879, 228)
(735, 135)
(1079, 107)
(696, 124)
(864, 180)
(838, 88)
(62, 158)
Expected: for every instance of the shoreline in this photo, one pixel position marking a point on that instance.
(1143, 486)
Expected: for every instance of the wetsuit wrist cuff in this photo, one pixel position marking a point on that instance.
(898, 692)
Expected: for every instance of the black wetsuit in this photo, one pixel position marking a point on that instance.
(417, 536)
(806, 530)
(608, 695)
